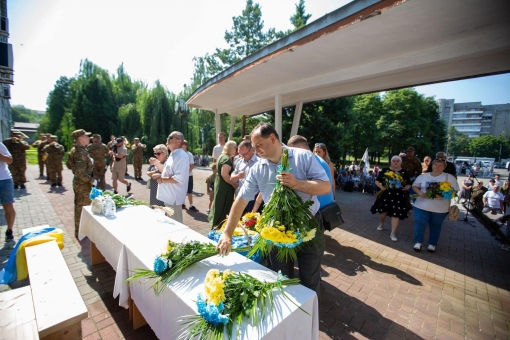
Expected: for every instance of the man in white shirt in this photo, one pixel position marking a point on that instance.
(218, 149)
(353, 167)
(247, 159)
(190, 181)
(173, 180)
(498, 181)
(7, 191)
(494, 200)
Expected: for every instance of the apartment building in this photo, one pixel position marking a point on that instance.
(475, 119)
(6, 73)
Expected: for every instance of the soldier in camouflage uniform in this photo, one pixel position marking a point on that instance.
(39, 145)
(98, 151)
(412, 164)
(80, 163)
(18, 149)
(54, 166)
(138, 149)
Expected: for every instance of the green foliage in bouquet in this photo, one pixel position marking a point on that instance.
(230, 297)
(121, 201)
(174, 261)
(286, 221)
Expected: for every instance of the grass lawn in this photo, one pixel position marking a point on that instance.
(32, 156)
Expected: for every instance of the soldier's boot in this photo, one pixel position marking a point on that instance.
(59, 184)
(53, 184)
(16, 186)
(22, 186)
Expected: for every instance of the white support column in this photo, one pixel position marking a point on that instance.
(297, 119)
(232, 123)
(278, 114)
(218, 125)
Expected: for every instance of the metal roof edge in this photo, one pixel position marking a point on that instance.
(306, 31)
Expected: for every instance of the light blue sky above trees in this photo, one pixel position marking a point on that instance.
(157, 39)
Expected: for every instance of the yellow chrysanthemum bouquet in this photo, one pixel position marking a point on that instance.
(286, 221)
(443, 189)
(392, 180)
(229, 297)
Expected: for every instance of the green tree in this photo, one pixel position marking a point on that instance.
(300, 18)
(93, 106)
(58, 102)
(246, 37)
(66, 129)
(129, 119)
(19, 113)
(487, 146)
(458, 143)
(360, 130)
(156, 114)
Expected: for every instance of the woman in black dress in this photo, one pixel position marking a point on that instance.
(393, 201)
(161, 153)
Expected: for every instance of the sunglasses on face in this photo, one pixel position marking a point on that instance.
(157, 153)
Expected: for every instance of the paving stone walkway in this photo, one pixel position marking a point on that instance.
(373, 288)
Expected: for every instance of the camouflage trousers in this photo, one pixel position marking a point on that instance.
(55, 174)
(18, 172)
(137, 166)
(81, 199)
(98, 170)
(41, 164)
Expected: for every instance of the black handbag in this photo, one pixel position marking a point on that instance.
(332, 216)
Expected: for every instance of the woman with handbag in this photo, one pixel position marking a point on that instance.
(431, 209)
(161, 153)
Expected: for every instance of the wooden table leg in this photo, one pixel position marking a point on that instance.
(138, 319)
(95, 255)
(131, 303)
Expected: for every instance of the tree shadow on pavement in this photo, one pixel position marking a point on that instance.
(350, 261)
(345, 317)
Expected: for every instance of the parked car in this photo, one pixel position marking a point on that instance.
(498, 165)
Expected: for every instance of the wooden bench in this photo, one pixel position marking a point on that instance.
(58, 305)
(17, 317)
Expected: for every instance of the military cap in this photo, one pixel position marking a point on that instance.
(95, 135)
(78, 133)
(15, 132)
(53, 137)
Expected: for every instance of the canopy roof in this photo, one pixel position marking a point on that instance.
(363, 47)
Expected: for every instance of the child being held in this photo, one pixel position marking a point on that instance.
(210, 186)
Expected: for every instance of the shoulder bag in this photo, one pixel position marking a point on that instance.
(453, 211)
(332, 216)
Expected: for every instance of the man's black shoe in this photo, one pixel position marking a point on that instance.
(184, 206)
(115, 192)
(22, 186)
(192, 208)
(16, 186)
(59, 184)
(129, 187)
(53, 184)
(8, 235)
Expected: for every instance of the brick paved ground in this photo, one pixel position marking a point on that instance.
(372, 288)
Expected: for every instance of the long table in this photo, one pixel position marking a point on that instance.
(125, 252)
(109, 234)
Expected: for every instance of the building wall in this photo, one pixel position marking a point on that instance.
(5, 105)
(475, 119)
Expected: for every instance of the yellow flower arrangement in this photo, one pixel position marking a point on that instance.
(214, 284)
(310, 235)
(277, 235)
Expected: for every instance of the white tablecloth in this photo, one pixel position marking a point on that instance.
(162, 312)
(131, 223)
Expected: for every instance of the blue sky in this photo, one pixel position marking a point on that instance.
(157, 39)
